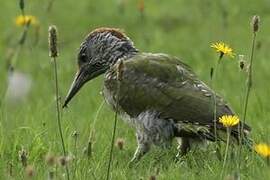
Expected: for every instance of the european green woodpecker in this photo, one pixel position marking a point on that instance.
(157, 94)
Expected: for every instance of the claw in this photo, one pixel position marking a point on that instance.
(133, 162)
(178, 157)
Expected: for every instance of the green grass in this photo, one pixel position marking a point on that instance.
(181, 28)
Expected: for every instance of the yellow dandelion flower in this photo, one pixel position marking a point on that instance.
(223, 49)
(23, 20)
(263, 149)
(229, 120)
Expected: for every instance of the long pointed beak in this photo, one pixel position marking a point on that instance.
(78, 82)
(84, 74)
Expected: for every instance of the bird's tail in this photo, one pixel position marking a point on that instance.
(248, 142)
(244, 139)
(241, 133)
(203, 132)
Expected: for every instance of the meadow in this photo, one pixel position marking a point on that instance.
(185, 29)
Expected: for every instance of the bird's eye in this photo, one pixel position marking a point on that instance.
(83, 58)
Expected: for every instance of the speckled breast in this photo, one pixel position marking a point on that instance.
(110, 88)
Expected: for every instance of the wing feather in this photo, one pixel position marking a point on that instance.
(167, 85)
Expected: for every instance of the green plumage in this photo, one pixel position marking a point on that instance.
(165, 84)
(158, 94)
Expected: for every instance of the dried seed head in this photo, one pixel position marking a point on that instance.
(141, 6)
(50, 159)
(62, 160)
(258, 45)
(9, 55)
(88, 150)
(153, 177)
(120, 143)
(53, 41)
(10, 169)
(29, 170)
(120, 69)
(255, 23)
(21, 4)
(242, 62)
(23, 157)
(234, 176)
(75, 134)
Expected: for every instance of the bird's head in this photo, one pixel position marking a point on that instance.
(99, 51)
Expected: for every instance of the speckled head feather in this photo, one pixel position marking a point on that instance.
(114, 31)
(99, 51)
(105, 46)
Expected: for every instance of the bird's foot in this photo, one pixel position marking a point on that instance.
(179, 157)
(133, 162)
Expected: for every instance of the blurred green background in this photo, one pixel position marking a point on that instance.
(181, 28)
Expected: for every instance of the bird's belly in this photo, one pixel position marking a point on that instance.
(110, 90)
(109, 97)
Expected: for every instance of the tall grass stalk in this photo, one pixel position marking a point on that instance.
(213, 79)
(212, 84)
(255, 28)
(22, 4)
(54, 55)
(249, 77)
(226, 150)
(91, 133)
(50, 5)
(75, 136)
(119, 78)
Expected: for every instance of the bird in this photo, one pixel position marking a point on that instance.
(157, 94)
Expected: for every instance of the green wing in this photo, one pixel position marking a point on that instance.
(167, 85)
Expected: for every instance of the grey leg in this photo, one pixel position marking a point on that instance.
(143, 147)
(183, 147)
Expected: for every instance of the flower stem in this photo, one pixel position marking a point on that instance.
(246, 100)
(58, 112)
(212, 84)
(114, 130)
(249, 83)
(226, 150)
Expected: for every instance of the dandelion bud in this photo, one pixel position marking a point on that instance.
(211, 72)
(21, 4)
(255, 23)
(120, 69)
(53, 41)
